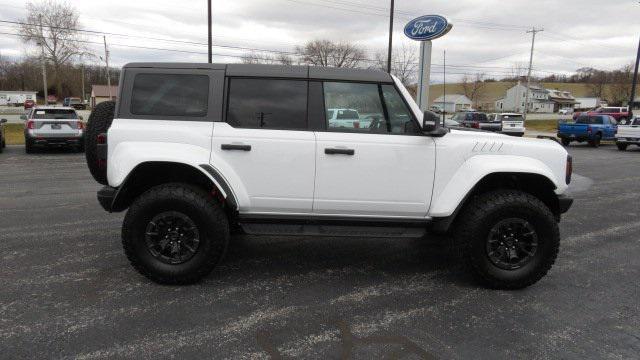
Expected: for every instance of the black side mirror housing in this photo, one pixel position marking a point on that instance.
(3, 121)
(431, 124)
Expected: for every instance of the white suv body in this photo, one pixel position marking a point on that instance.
(284, 163)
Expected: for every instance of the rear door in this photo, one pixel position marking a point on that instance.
(383, 169)
(263, 146)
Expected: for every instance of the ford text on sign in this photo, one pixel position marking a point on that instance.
(427, 27)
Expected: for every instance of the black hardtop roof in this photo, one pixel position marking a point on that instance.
(278, 71)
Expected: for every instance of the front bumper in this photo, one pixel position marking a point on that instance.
(564, 203)
(628, 140)
(106, 196)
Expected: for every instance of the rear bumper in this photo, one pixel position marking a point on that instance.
(56, 141)
(574, 137)
(564, 203)
(514, 133)
(106, 196)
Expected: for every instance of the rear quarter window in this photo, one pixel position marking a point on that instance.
(179, 95)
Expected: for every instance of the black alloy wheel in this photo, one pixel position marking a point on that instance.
(511, 243)
(172, 237)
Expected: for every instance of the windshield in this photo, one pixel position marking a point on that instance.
(55, 114)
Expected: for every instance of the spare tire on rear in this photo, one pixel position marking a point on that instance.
(99, 122)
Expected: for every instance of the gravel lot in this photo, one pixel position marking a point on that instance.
(68, 291)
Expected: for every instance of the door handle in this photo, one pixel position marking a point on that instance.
(235, 147)
(333, 151)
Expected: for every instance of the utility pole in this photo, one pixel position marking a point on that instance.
(43, 60)
(390, 37)
(444, 87)
(533, 32)
(634, 84)
(82, 67)
(210, 33)
(106, 59)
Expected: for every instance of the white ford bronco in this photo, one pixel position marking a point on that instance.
(196, 152)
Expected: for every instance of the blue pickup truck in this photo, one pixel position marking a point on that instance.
(590, 128)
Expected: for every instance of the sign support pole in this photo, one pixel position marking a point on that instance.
(424, 74)
(634, 83)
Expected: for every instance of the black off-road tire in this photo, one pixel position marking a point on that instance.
(565, 142)
(622, 146)
(210, 221)
(476, 220)
(98, 123)
(596, 141)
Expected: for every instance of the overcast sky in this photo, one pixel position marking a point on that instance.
(488, 36)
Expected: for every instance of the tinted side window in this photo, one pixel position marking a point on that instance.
(400, 118)
(170, 95)
(267, 104)
(361, 101)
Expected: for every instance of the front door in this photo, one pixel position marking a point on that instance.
(264, 148)
(381, 167)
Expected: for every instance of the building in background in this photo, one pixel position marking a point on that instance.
(541, 100)
(100, 93)
(16, 98)
(453, 102)
(588, 103)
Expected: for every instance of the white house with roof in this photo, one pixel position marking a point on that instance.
(16, 98)
(453, 102)
(541, 100)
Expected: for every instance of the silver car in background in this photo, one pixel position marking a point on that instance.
(51, 126)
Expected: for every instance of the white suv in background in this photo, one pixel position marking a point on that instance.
(51, 126)
(196, 151)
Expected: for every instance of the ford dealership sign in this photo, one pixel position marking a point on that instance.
(427, 27)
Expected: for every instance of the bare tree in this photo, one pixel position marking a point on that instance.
(404, 64)
(518, 71)
(262, 58)
(327, 53)
(472, 87)
(620, 88)
(596, 83)
(54, 26)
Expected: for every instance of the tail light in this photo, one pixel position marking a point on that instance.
(31, 125)
(569, 169)
(475, 125)
(80, 125)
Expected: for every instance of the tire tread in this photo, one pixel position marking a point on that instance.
(475, 213)
(200, 199)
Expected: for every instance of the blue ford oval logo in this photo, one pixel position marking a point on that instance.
(427, 27)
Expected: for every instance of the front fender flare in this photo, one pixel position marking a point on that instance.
(454, 190)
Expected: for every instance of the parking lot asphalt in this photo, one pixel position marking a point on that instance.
(67, 290)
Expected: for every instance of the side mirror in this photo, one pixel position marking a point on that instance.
(23, 117)
(431, 124)
(2, 121)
